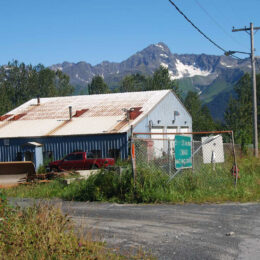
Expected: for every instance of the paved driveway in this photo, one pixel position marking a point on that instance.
(208, 231)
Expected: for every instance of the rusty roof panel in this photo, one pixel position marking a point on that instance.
(4, 117)
(96, 114)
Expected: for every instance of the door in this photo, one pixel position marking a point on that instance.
(90, 161)
(184, 129)
(68, 162)
(171, 138)
(157, 141)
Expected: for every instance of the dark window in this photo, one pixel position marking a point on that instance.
(90, 155)
(79, 156)
(70, 157)
(19, 156)
(29, 156)
(96, 153)
(114, 153)
(48, 155)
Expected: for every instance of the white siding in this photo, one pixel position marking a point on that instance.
(163, 115)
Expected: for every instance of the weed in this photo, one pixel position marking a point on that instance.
(43, 232)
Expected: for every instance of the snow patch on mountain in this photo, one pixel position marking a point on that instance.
(160, 46)
(164, 65)
(164, 55)
(79, 78)
(56, 68)
(184, 70)
(226, 65)
(199, 91)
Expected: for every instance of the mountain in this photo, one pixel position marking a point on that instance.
(211, 76)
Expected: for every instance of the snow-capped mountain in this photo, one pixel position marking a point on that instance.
(209, 75)
(148, 60)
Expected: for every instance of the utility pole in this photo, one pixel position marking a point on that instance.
(252, 30)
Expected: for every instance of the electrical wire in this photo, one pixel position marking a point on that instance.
(202, 33)
(217, 23)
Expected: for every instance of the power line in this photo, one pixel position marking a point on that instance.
(202, 33)
(217, 23)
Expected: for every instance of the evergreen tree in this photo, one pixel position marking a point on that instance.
(201, 118)
(158, 81)
(131, 83)
(98, 86)
(239, 115)
(161, 80)
(20, 82)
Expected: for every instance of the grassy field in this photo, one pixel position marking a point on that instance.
(153, 187)
(43, 232)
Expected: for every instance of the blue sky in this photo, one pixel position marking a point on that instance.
(53, 31)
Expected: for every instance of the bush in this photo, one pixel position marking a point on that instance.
(105, 185)
(153, 186)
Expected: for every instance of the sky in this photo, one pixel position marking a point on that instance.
(54, 31)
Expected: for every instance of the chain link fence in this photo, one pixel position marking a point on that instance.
(175, 153)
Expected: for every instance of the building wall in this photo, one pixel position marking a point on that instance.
(163, 115)
(60, 146)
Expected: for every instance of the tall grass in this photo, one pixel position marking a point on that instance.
(42, 232)
(153, 186)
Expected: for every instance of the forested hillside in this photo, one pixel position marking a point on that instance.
(20, 82)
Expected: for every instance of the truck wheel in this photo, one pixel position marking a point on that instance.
(94, 167)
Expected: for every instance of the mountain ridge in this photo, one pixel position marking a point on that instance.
(206, 74)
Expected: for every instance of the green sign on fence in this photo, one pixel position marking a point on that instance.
(183, 152)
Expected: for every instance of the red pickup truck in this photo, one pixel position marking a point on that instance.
(80, 161)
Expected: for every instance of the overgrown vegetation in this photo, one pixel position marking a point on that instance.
(152, 186)
(43, 232)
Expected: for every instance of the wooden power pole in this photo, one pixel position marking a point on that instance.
(252, 29)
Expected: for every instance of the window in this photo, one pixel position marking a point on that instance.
(96, 153)
(90, 155)
(70, 157)
(114, 153)
(184, 129)
(29, 156)
(48, 155)
(79, 156)
(77, 150)
(19, 156)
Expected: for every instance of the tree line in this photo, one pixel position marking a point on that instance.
(20, 83)
(160, 80)
(137, 82)
(238, 115)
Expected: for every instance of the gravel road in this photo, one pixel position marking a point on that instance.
(190, 231)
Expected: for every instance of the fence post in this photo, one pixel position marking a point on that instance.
(133, 161)
(192, 158)
(169, 157)
(235, 160)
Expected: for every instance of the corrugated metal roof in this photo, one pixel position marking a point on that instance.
(98, 114)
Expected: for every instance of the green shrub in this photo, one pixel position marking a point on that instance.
(152, 185)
